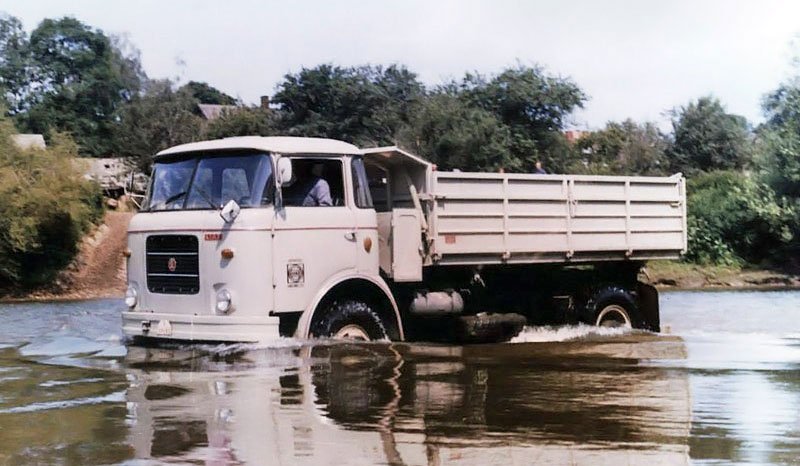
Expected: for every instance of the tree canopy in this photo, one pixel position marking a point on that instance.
(364, 105)
(623, 148)
(67, 77)
(706, 137)
(207, 94)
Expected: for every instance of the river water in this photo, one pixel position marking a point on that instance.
(720, 386)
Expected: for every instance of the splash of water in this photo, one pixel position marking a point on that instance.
(566, 333)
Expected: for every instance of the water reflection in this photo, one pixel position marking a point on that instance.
(402, 404)
(724, 389)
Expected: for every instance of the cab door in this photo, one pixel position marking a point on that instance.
(365, 218)
(312, 244)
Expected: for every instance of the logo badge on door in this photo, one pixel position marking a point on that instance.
(172, 264)
(295, 274)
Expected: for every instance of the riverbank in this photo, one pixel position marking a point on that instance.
(684, 276)
(98, 270)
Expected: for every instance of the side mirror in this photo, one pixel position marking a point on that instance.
(230, 211)
(284, 171)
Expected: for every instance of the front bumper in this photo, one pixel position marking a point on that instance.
(199, 328)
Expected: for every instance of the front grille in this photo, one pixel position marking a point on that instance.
(173, 264)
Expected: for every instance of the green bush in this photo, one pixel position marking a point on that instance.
(45, 208)
(733, 218)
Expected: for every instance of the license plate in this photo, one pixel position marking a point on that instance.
(164, 328)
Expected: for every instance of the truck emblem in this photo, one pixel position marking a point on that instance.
(172, 264)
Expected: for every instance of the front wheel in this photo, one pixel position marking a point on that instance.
(350, 320)
(613, 307)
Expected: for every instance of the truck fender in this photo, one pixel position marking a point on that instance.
(304, 324)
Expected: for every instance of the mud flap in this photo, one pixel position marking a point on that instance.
(647, 297)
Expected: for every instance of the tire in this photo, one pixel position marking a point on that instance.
(350, 320)
(488, 328)
(613, 307)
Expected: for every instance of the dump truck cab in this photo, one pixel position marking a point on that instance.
(227, 246)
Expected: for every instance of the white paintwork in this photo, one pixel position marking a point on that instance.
(327, 242)
(433, 218)
(275, 144)
(498, 218)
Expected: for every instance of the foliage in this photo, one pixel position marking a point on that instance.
(364, 105)
(734, 218)
(206, 94)
(626, 148)
(707, 138)
(533, 105)
(14, 62)
(77, 78)
(45, 207)
(244, 121)
(454, 135)
(159, 118)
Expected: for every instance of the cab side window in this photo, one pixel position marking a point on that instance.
(315, 183)
(361, 193)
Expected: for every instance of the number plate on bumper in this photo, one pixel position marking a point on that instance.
(164, 328)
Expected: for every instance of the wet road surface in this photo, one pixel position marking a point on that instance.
(721, 386)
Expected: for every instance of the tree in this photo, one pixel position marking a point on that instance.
(706, 138)
(779, 139)
(14, 62)
(778, 156)
(364, 105)
(206, 94)
(244, 121)
(159, 118)
(534, 105)
(453, 135)
(79, 78)
(626, 148)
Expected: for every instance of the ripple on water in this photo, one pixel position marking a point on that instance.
(63, 345)
(115, 397)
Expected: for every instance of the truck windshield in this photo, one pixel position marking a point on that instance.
(209, 181)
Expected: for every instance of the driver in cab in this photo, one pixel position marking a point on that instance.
(308, 188)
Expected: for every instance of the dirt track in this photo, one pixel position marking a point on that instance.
(102, 266)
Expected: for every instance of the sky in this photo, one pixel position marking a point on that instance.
(634, 59)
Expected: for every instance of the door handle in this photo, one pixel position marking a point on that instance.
(350, 236)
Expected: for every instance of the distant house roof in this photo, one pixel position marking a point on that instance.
(29, 141)
(573, 135)
(212, 111)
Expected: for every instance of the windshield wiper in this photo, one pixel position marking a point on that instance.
(172, 199)
(206, 197)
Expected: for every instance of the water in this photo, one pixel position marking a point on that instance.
(721, 387)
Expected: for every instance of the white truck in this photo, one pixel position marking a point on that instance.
(222, 252)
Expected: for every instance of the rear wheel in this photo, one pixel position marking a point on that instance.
(613, 307)
(350, 320)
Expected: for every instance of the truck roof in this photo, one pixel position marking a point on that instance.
(279, 144)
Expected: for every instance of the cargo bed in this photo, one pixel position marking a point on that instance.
(428, 217)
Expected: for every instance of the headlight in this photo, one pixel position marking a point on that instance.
(131, 296)
(223, 301)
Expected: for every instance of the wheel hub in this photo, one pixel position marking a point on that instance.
(614, 315)
(352, 332)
